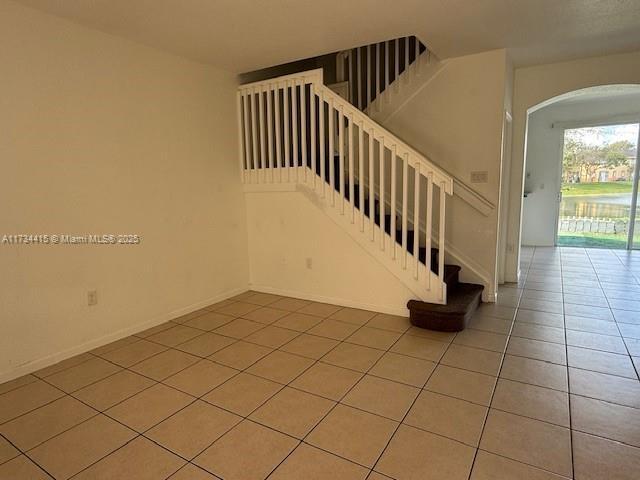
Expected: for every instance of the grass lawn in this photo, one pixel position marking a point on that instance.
(596, 188)
(573, 239)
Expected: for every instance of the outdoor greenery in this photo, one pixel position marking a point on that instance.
(588, 239)
(586, 159)
(595, 188)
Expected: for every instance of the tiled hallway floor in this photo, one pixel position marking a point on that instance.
(264, 386)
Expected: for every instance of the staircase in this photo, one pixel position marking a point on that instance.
(387, 196)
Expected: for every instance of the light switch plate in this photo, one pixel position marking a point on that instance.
(480, 177)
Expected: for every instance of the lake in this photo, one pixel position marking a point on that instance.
(596, 206)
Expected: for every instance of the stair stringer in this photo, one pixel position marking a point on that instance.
(401, 91)
(437, 293)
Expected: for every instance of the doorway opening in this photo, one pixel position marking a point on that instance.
(598, 194)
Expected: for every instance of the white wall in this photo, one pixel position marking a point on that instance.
(287, 228)
(544, 154)
(456, 121)
(102, 135)
(534, 85)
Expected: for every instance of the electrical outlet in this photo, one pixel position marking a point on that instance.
(92, 297)
(309, 263)
(480, 177)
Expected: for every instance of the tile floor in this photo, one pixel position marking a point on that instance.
(544, 385)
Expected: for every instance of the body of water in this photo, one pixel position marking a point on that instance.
(597, 206)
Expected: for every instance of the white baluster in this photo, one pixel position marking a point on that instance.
(416, 222)
(368, 76)
(278, 133)
(254, 133)
(406, 53)
(417, 54)
(270, 129)
(341, 157)
(392, 210)
(377, 70)
(287, 131)
(372, 203)
(263, 147)
(429, 227)
(351, 171)
(361, 174)
(312, 104)
(381, 198)
(294, 119)
(386, 64)
(323, 156)
(359, 77)
(405, 184)
(351, 79)
(247, 142)
(441, 237)
(397, 59)
(241, 151)
(303, 126)
(331, 156)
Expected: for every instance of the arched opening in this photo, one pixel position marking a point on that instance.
(581, 170)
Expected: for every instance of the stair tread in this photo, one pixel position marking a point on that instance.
(460, 301)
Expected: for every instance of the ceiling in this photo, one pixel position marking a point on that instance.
(245, 35)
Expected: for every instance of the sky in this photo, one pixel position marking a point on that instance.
(607, 134)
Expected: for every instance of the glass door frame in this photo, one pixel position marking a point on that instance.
(634, 197)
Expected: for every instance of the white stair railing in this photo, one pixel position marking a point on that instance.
(371, 69)
(287, 127)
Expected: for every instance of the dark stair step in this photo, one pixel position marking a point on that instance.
(462, 302)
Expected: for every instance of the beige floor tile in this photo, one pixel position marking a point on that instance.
(24, 399)
(535, 372)
(538, 332)
(354, 357)
(488, 466)
(292, 412)
(299, 322)
(445, 337)
(420, 347)
(281, 367)
(623, 391)
(541, 305)
(75, 378)
(243, 393)
(309, 463)
(353, 316)
(191, 472)
(485, 340)
(529, 441)
(414, 454)
(140, 459)
(310, 346)
(205, 345)
(588, 311)
(248, 452)
(374, 338)
(327, 381)
(200, 378)
(583, 324)
(403, 369)
(77, 448)
(603, 362)
(218, 305)
(157, 329)
(290, 304)
(333, 329)
(266, 315)
(239, 328)
(7, 451)
(164, 364)
(38, 426)
(497, 311)
(63, 365)
(110, 347)
(489, 324)
(271, 336)
(482, 361)
(237, 309)
(174, 336)
(545, 351)
(149, 407)
(471, 386)
(456, 419)
(243, 297)
(21, 468)
(209, 321)
(240, 355)
(16, 383)
(382, 397)
(192, 429)
(598, 458)
(595, 341)
(532, 401)
(106, 393)
(133, 353)
(182, 319)
(352, 434)
(540, 318)
(393, 323)
(320, 309)
(259, 298)
(604, 419)
(633, 346)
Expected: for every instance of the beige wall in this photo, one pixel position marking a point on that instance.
(534, 85)
(102, 135)
(456, 121)
(288, 228)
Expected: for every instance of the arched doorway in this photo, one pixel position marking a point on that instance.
(581, 169)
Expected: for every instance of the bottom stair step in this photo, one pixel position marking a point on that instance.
(462, 302)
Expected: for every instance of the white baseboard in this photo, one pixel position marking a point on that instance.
(54, 358)
(402, 311)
